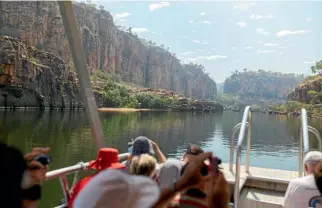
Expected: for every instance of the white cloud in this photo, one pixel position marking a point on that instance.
(122, 15)
(193, 31)
(203, 13)
(248, 47)
(261, 17)
(199, 42)
(243, 6)
(209, 58)
(261, 31)
(190, 21)
(139, 30)
(233, 48)
(156, 33)
(265, 51)
(188, 53)
(160, 5)
(309, 62)
(205, 22)
(308, 19)
(270, 44)
(282, 47)
(291, 32)
(281, 53)
(241, 24)
(122, 20)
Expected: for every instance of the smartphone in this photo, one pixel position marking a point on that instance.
(43, 159)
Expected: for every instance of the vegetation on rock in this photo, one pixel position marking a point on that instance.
(261, 84)
(307, 94)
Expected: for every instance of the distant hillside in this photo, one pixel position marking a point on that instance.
(261, 84)
(220, 87)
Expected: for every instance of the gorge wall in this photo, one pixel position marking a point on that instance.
(261, 84)
(39, 24)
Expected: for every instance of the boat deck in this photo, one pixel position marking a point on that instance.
(256, 171)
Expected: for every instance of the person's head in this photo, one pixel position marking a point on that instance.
(311, 159)
(106, 158)
(143, 164)
(141, 145)
(115, 188)
(192, 151)
(169, 172)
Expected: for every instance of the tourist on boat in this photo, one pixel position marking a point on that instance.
(22, 176)
(115, 188)
(144, 165)
(192, 151)
(183, 193)
(143, 145)
(301, 190)
(317, 200)
(213, 193)
(107, 158)
(169, 172)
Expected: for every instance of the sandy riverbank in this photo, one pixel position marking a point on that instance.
(128, 109)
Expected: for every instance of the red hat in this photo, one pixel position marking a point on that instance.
(106, 158)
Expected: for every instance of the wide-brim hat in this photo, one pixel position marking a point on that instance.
(106, 158)
(115, 188)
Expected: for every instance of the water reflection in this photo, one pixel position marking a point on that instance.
(274, 138)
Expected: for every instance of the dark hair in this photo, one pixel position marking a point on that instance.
(194, 149)
(318, 176)
(204, 169)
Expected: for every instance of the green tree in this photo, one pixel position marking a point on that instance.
(317, 68)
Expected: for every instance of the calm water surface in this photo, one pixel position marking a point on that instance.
(274, 141)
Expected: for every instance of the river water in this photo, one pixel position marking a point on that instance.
(274, 137)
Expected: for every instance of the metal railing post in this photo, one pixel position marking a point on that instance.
(304, 140)
(241, 136)
(249, 138)
(232, 145)
(317, 135)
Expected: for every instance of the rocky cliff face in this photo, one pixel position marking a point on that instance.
(39, 24)
(310, 88)
(261, 84)
(32, 78)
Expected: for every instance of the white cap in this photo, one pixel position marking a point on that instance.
(115, 188)
(312, 156)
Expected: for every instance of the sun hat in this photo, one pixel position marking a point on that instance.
(312, 157)
(141, 145)
(117, 189)
(106, 158)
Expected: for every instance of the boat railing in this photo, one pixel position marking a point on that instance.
(62, 173)
(304, 140)
(232, 145)
(246, 122)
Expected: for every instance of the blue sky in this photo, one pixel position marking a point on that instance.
(227, 36)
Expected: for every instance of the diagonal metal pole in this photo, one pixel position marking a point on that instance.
(76, 48)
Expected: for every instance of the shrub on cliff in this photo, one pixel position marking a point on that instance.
(117, 96)
(150, 100)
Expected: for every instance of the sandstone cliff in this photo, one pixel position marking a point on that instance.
(39, 24)
(261, 84)
(309, 91)
(32, 78)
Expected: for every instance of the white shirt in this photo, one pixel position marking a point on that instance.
(300, 191)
